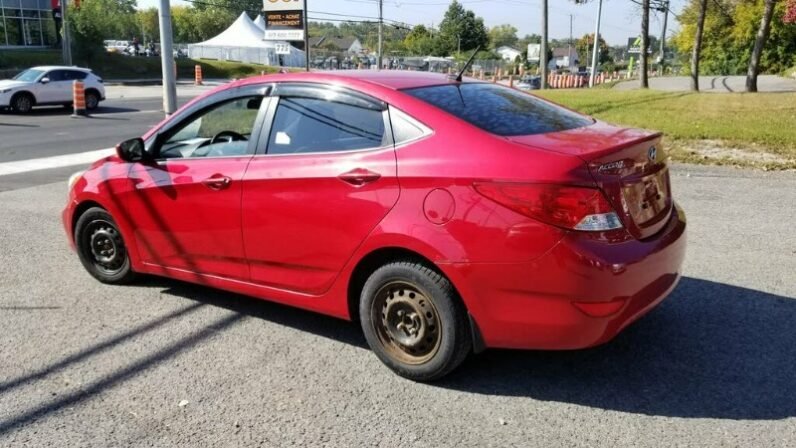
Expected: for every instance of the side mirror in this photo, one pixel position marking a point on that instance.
(45, 80)
(132, 150)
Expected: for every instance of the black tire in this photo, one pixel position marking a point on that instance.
(101, 248)
(414, 321)
(92, 100)
(22, 103)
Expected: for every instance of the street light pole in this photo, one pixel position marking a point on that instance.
(596, 51)
(167, 59)
(67, 41)
(543, 55)
(663, 34)
(381, 32)
(306, 38)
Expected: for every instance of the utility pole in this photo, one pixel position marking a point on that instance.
(306, 38)
(543, 53)
(596, 52)
(645, 44)
(663, 34)
(167, 59)
(569, 46)
(67, 41)
(381, 32)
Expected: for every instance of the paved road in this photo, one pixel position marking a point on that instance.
(82, 364)
(715, 84)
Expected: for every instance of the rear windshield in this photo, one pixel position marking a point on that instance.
(500, 110)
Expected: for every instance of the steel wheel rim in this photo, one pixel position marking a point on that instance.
(406, 322)
(102, 245)
(91, 102)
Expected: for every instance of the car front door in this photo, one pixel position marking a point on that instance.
(57, 89)
(326, 181)
(186, 203)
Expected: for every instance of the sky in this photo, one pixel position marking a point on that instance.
(621, 18)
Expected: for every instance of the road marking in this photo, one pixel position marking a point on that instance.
(46, 163)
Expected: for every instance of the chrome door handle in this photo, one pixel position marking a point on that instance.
(359, 177)
(217, 183)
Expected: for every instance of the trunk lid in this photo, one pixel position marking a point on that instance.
(628, 165)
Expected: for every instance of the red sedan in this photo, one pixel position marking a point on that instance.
(445, 216)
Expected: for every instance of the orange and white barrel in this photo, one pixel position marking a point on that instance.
(79, 99)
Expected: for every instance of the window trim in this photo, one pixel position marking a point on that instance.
(155, 141)
(427, 131)
(316, 91)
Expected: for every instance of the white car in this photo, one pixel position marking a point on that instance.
(47, 86)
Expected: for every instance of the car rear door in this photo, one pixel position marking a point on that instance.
(327, 179)
(186, 203)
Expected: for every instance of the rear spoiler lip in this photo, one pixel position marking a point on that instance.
(593, 156)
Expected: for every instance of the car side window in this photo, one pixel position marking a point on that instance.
(56, 75)
(306, 125)
(221, 130)
(406, 129)
(75, 75)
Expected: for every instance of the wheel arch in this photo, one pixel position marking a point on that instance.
(80, 209)
(23, 92)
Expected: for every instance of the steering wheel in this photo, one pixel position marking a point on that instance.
(231, 136)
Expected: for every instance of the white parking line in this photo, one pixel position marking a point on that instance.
(45, 163)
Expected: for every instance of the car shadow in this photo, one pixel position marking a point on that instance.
(710, 351)
(318, 324)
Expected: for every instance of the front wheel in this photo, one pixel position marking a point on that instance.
(101, 248)
(22, 103)
(414, 321)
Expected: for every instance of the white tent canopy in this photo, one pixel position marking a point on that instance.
(243, 42)
(260, 22)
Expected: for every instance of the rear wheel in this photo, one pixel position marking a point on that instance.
(414, 322)
(101, 248)
(22, 103)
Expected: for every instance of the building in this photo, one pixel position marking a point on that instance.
(26, 23)
(347, 45)
(566, 61)
(508, 54)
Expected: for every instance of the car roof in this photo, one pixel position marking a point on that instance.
(390, 79)
(61, 67)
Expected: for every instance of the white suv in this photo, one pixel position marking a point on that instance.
(49, 85)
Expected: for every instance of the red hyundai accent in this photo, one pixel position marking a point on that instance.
(445, 216)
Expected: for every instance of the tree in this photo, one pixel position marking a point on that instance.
(460, 29)
(233, 6)
(97, 20)
(729, 34)
(790, 13)
(760, 42)
(419, 41)
(585, 45)
(503, 35)
(703, 9)
(148, 21)
(645, 44)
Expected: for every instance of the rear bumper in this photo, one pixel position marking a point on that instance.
(580, 294)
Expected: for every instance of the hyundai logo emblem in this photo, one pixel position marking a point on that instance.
(653, 153)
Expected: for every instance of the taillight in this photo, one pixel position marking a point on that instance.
(576, 208)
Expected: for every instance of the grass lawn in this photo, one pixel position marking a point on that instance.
(734, 128)
(115, 66)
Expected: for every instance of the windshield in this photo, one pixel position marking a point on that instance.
(30, 75)
(500, 110)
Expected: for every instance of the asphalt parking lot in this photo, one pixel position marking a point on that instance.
(164, 363)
